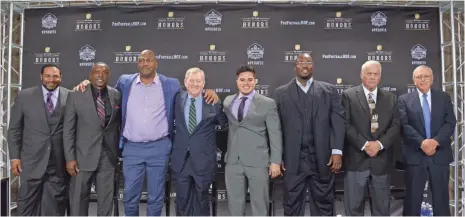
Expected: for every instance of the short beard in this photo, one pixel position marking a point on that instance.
(50, 89)
(305, 77)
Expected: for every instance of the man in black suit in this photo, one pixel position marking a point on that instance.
(91, 142)
(428, 122)
(372, 129)
(193, 157)
(312, 120)
(35, 144)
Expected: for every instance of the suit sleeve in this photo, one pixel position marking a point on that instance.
(337, 122)
(354, 137)
(409, 132)
(69, 129)
(448, 127)
(15, 129)
(393, 131)
(275, 135)
(221, 117)
(119, 84)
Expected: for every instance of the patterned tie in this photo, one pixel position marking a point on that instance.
(240, 112)
(371, 102)
(427, 116)
(374, 116)
(192, 116)
(50, 106)
(101, 109)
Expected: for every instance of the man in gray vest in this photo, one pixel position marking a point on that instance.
(35, 143)
(91, 142)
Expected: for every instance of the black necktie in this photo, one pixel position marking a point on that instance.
(240, 112)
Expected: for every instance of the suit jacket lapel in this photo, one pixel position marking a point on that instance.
(294, 95)
(182, 122)
(380, 109)
(252, 107)
(41, 108)
(206, 109)
(62, 100)
(316, 97)
(91, 106)
(362, 99)
(111, 96)
(417, 106)
(228, 106)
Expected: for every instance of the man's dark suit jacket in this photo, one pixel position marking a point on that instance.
(443, 123)
(30, 139)
(328, 123)
(202, 142)
(82, 133)
(358, 130)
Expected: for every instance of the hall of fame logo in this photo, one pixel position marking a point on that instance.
(127, 56)
(49, 23)
(255, 22)
(378, 22)
(213, 20)
(292, 56)
(87, 54)
(212, 56)
(418, 53)
(380, 55)
(170, 22)
(338, 22)
(417, 24)
(88, 24)
(255, 54)
(47, 57)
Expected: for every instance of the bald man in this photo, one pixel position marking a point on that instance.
(91, 142)
(428, 123)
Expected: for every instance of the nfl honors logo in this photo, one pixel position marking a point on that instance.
(340, 86)
(212, 56)
(213, 20)
(127, 56)
(380, 55)
(378, 22)
(255, 22)
(338, 22)
(255, 54)
(47, 57)
(417, 23)
(49, 23)
(292, 56)
(88, 24)
(261, 89)
(418, 53)
(170, 22)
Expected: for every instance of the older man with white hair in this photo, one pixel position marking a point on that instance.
(372, 129)
(193, 158)
(428, 122)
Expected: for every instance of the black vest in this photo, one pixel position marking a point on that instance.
(306, 101)
(52, 120)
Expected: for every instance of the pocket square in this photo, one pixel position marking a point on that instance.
(116, 107)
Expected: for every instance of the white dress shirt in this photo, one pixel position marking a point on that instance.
(420, 94)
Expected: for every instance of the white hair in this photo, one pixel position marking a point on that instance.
(422, 67)
(370, 63)
(193, 71)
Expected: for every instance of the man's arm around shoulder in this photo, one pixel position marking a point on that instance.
(69, 128)
(273, 125)
(337, 122)
(15, 128)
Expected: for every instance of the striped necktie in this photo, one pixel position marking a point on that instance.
(101, 109)
(192, 116)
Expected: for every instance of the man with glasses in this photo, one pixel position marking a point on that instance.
(372, 130)
(428, 123)
(147, 129)
(312, 120)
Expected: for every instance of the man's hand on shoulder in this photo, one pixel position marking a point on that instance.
(211, 97)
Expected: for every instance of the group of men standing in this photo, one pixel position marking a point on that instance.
(62, 141)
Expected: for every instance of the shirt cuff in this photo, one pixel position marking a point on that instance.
(381, 147)
(336, 151)
(364, 146)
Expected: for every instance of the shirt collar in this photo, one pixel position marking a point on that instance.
(197, 98)
(428, 94)
(375, 92)
(155, 80)
(54, 92)
(308, 83)
(250, 96)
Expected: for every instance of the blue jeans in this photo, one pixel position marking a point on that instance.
(140, 159)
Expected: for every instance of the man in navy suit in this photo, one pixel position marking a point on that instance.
(147, 122)
(428, 122)
(193, 158)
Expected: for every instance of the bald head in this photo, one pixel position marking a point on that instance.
(100, 64)
(147, 64)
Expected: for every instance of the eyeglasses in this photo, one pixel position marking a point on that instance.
(146, 60)
(423, 77)
(305, 63)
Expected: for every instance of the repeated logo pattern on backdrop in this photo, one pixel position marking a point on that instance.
(219, 38)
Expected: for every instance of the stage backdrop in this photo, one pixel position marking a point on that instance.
(219, 38)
